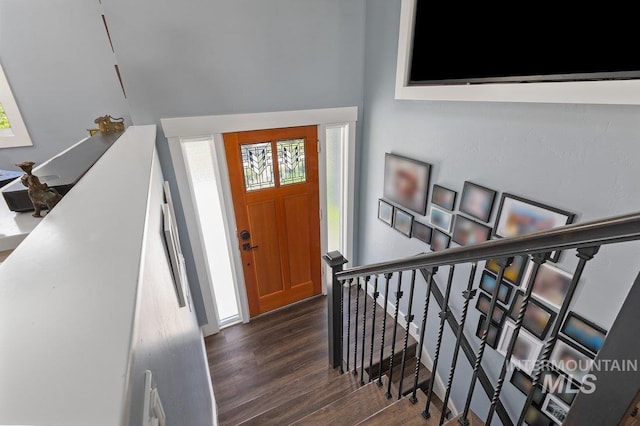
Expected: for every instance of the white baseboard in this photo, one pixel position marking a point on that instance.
(439, 387)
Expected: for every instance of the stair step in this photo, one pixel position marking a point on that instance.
(397, 359)
(403, 412)
(424, 377)
(473, 420)
(292, 409)
(350, 409)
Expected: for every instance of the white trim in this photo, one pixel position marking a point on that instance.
(579, 92)
(19, 134)
(177, 129)
(183, 127)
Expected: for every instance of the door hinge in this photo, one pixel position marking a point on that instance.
(319, 148)
(320, 214)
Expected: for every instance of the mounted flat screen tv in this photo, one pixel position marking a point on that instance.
(454, 43)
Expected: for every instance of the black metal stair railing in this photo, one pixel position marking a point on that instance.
(585, 238)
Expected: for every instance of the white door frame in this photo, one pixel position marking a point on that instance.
(213, 127)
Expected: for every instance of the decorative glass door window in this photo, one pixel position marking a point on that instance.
(291, 161)
(257, 164)
(5, 125)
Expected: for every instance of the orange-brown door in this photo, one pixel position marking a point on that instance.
(274, 184)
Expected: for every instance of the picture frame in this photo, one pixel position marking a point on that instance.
(518, 216)
(402, 222)
(439, 240)
(550, 285)
(555, 409)
(537, 318)
(526, 350)
(172, 245)
(406, 182)
(566, 389)
(583, 332)
(521, 381)
(534, 417)
(488, 284)
(494, 332)
(385, 212)
(571, 360)
(477, 201)
(440, 219)
(444, 197)
(467, 232)
(482, 305)
(421, 232)
(512, 273)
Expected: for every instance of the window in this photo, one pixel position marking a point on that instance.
(13, 132)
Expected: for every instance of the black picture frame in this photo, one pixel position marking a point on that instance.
(383, 209)
(504, 293)
(575, 347)
(465, 226)
(483, 213)
(513, 273)
(561, 393)
(493, 336)
(499, 314)
(523, 382)
(528, 322)
(421, 232)
(444, 197)
(498, 232)
(402, 222)
(575, 337)
(439, 240)
(418, 205)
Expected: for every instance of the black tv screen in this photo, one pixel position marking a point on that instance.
(459, 44)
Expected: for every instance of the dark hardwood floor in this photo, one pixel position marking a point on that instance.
(276, 367)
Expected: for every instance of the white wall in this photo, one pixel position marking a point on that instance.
(576, 157)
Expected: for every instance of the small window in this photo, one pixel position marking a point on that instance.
(13, 132)
(257, 162)
(291, 162)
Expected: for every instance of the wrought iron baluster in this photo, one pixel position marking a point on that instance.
(468, 294)
(538, 260)
(349, 281)
(585, 254)
(408, 319)
(443, 319)
(429, 274)
(376, 294)
(502, 263)
(387, 277)
(355, 330)
(395, 333)
(364, 327)
(341, 328)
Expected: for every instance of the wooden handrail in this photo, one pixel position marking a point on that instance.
(605, 231)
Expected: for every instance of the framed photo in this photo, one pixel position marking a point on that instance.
(549, 285)
(439, 240)
(440, 219)
(402, 222)
(406, 182)
(523, 383)
(537, 318)
(483, 303)
(488, 284)
(443, 197)
(526, 350)
(534, 417)
(571, 360)
(421, 232)
(494, 332)
(518, 216)
(385, 212)
(513, 273)
(555, 409)
(467, 232)
(584, 332)
(477, 201)
(176, 260)
(558, 385)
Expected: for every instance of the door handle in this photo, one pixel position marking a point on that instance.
(248, 247)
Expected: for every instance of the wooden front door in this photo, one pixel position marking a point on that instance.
(274, 184)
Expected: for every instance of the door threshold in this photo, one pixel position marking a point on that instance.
(287, 306)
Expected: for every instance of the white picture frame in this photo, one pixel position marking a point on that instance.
(555, 409)
(542, 287)
(175, 255)
(441, 219)
(526, 342)
(565, 355)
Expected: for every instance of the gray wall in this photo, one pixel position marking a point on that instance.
(59, 64)
(204, 57)
(577, 157)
